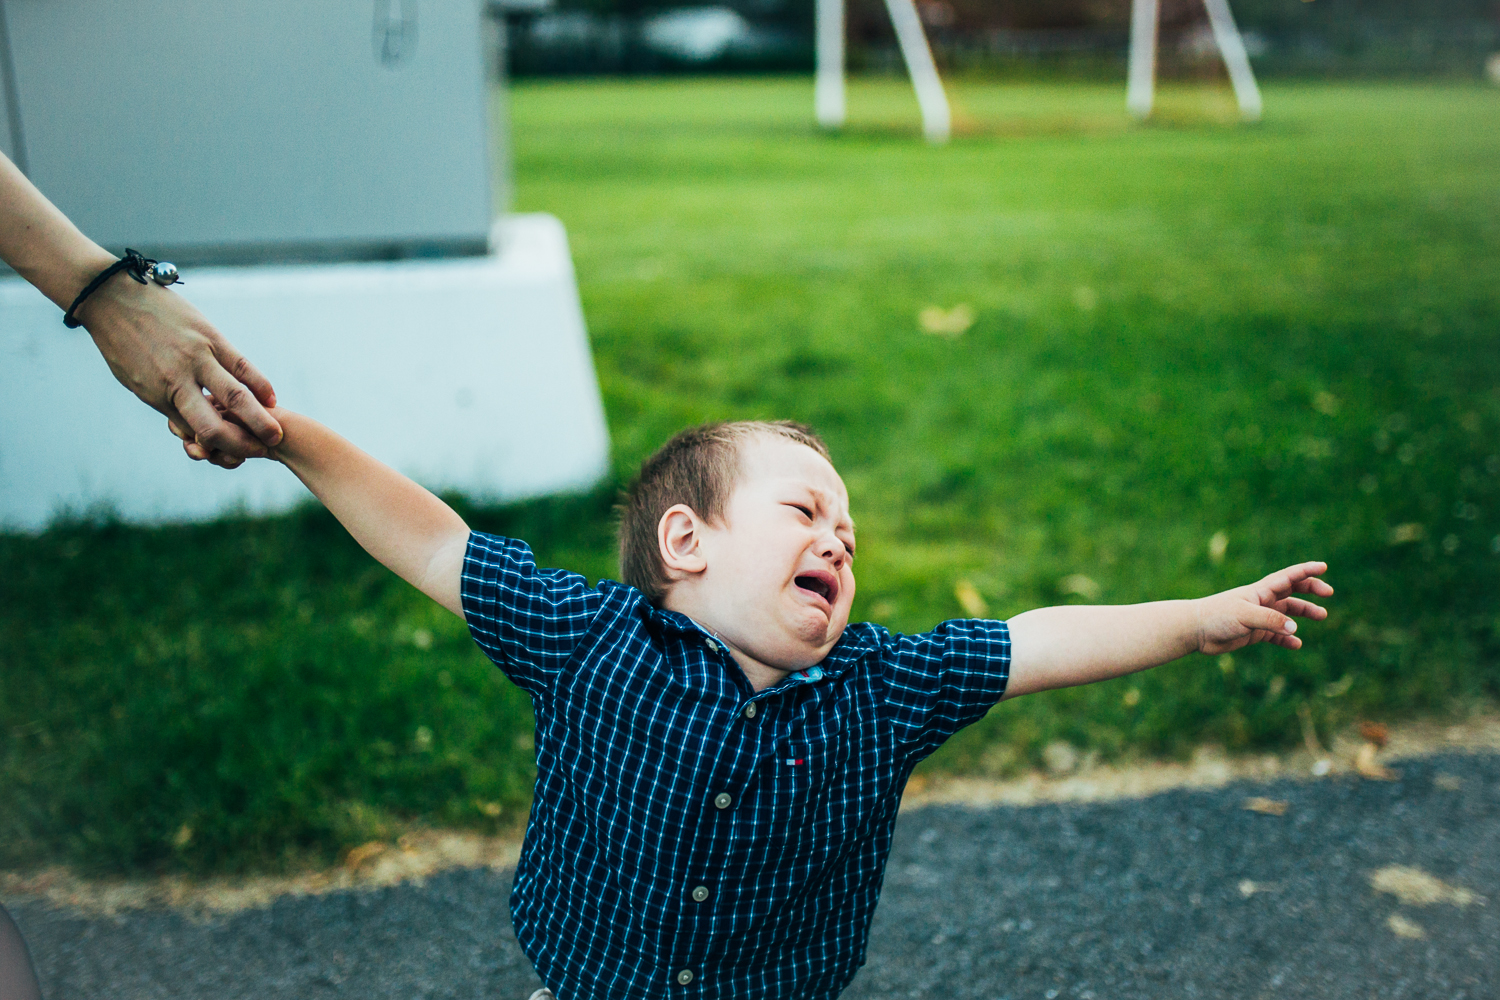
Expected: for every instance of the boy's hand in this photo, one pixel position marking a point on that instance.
(1262, 611)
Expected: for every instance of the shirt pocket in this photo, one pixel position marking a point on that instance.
(814, 775)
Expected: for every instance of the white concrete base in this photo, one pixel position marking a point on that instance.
(467, 374)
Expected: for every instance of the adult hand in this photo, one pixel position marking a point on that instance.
(166, 352)
(155, 342)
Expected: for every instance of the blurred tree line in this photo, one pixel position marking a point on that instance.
(1024, 37)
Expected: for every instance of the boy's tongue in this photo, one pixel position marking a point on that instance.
(816, 585)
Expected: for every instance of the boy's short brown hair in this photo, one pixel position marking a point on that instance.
(697, 467)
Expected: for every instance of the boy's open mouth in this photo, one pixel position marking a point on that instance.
(822, 584)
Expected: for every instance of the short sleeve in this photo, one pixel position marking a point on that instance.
(940, 681)
(527, 620)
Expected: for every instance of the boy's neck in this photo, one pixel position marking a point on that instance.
(760, 675)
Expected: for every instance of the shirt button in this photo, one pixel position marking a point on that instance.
(700, 894)
(713, 647)
(750, 710)
(723, 800)
(684, 977)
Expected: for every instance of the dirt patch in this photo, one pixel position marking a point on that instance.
(1210, 767)
(370, 866)
(419, 854)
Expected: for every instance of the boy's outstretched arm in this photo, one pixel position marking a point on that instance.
(410, 531)
(1068, 645)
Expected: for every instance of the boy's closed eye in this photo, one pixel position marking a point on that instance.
(810, 513)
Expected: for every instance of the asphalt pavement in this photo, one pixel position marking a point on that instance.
(1361, 889)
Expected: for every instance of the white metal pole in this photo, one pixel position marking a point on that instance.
(1139, 91)
(828, 86)
(937, 120)
(1236, 59)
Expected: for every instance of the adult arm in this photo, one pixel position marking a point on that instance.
(154, 341)
(1068, 645)
(410, 531)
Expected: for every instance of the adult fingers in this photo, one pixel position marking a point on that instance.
(240, 369)
(198, 453)
(211, 430)
(235, 398)
(183, 433)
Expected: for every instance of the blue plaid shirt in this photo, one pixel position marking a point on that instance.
(691, 838)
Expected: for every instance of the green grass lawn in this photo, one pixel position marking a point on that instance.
(1282, 335)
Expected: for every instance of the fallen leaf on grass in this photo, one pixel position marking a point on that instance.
(1405, 928)
(1271, 807)
(1060, 757)
(946, 322)
(1339, 688)
(1403, 534)
(1217, 546)
(969, 599)
(364, 852)
(1368, 767)
(1415, 887)
(1080, 586)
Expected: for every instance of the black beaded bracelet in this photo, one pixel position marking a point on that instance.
(139, 267)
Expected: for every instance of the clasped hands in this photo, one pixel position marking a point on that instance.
(166, 352)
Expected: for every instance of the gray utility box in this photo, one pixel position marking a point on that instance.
(241, 131)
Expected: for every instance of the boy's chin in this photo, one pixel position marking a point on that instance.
(818, 635)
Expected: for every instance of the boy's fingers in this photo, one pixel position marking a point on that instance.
(1269, 620)
(1313, 585)
(1302, 609)
(1293, 575)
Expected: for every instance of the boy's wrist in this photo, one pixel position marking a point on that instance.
(293, 434)
(1199, 635)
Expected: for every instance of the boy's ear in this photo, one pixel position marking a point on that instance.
(679, 536)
